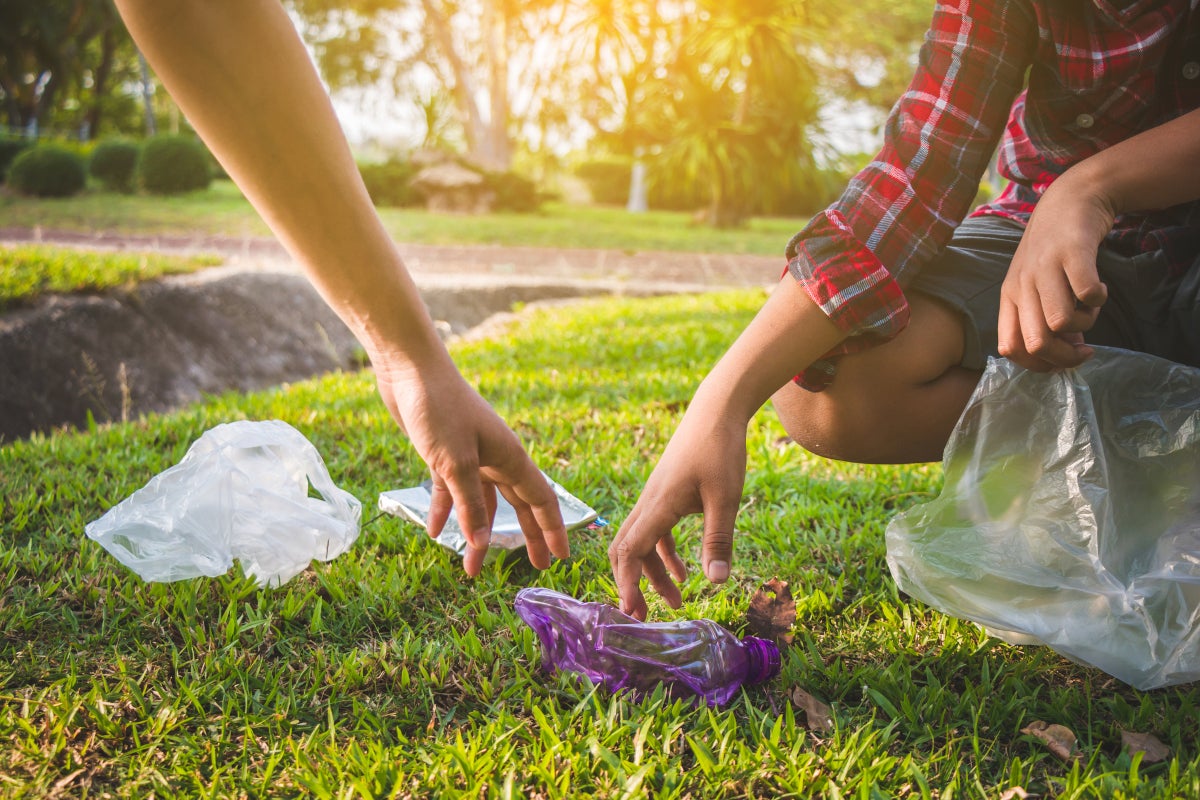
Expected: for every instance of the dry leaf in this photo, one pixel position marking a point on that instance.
(1059, 739)
(772, 612)
(1152, 750)
(1014, 793)
(818, 717)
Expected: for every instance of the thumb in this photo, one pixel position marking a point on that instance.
(716, 552)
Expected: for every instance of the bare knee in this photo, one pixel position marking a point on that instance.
(825, 427)
(896, 403)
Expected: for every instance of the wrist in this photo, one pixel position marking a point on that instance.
(412, 358)
(1092, 182)
(722, 396)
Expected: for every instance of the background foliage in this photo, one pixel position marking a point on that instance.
(727, 104)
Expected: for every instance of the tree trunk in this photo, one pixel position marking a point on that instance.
(497, 153)
(147, 95)
(638, 202)
(464, 85)
(108, 48)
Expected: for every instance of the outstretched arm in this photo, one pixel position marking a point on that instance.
(1052, 293)
(241, 74)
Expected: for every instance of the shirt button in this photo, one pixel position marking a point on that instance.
(1191, 70)
(1085, 120)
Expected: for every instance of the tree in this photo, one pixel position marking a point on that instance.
(732, 108)
(867, 50)
(60, 62)
(726, 94)
(481, 53)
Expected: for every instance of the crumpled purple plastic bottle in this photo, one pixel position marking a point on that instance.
(614, 650)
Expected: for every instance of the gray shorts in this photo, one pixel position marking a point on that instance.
(1148, 309)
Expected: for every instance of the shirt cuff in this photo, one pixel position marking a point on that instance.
(846, 280)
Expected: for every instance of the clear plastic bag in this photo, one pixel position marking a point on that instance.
(240, 492)
(1070, 516)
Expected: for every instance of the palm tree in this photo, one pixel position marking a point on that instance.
(741, 102)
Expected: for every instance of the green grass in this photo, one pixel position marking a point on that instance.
(28, 272)
(386, 673)
(221, 210)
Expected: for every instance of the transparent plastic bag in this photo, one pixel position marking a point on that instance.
(240, 492)
(1070, 516)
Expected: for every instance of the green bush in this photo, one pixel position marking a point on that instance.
(173, 164)
(607, 180)
(48, 170)
(512, 192)
(114, 164)
(390, 183)
(10, 148)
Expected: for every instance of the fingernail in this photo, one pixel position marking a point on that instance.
(718, 571)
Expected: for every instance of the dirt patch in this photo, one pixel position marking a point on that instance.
(257, 322)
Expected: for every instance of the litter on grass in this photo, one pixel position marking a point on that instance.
(413, 504)
(242, 491)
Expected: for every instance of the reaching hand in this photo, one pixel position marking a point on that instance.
(472, 454)
(702, 471)
(1052, 292)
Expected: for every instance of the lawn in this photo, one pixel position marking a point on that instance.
(28, 272)
(386, 673)
(221, 210)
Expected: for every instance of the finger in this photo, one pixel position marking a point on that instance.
(544, 522)
(440, 503)
(473, 559)
(471, 506)
(1085, 281)
(660, 580)
(627, 568)
(636, 553)
(535, 542)
(1061, 310)
(489, 503)
(1011, 340)
(670, 558)
(656, 572)
(716, 550)
(1040, 342)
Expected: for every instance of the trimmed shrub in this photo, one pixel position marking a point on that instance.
(10, 148)
(607, 180)
(114, 164)
(48, 170)
(512, 192)
(173, 164)
(390, 183)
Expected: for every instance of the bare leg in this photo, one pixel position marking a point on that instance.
(892, 404)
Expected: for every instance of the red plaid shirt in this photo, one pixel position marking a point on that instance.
(1099, 71)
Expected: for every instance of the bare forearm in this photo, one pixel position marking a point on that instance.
(789, 333)
(240, 73)
(1158, 168)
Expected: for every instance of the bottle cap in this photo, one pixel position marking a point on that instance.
(762, 657)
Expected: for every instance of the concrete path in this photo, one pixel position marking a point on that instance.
(487, 263)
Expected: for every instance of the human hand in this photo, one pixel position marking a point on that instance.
(702, 470)
(1052, 293)
(472, 454)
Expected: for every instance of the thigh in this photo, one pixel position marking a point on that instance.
(894, 403)
(966, 278)
(1147, 309)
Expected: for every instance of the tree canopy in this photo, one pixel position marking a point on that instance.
(729, 95)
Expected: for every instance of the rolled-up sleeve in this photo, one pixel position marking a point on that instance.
(854, 258)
